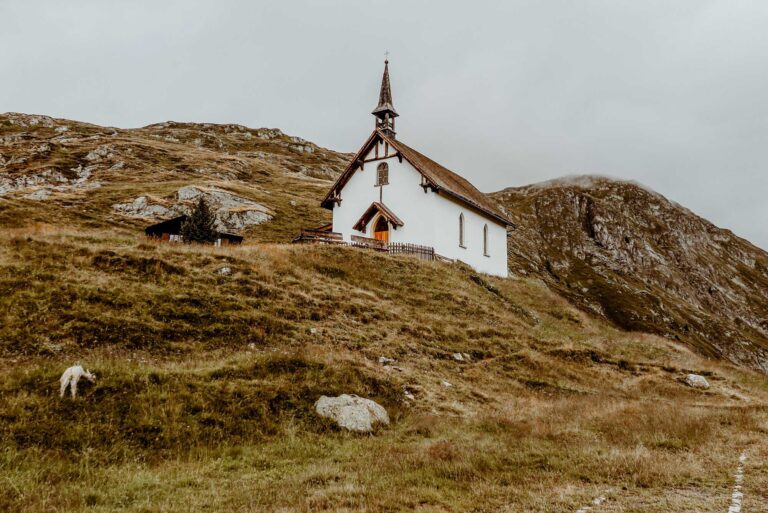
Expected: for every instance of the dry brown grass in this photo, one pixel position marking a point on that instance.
(553, 409)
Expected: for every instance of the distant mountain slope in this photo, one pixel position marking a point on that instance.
(65, 172)
(644, 262)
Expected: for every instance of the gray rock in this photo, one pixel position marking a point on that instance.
(224, 271)
(37, 195)
(47, 177)
(239, 219)
(386, 361)
(141, 207)
(458, 357)
(696, 381)
(102, 152)
(352, 412)
(233, 212)
(410, 392)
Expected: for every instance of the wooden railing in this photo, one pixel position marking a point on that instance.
(417, 250)
(394, 248)
(319, 237)
(367, 242)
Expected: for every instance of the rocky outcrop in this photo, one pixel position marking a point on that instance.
(146, 207)
(630, 255)
(233, 212)
(352, 412)
(42, 183)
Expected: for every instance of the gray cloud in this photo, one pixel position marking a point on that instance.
(673, 94)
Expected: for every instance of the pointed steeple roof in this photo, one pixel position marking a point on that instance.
(385, 95)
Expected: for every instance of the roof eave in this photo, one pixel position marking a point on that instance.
(328, 201)
(489, 213)
(387, 107)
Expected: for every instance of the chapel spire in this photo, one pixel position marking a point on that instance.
(385, 112)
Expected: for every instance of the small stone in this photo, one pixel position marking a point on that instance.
(446, 384)
(386, 361)
(224, 271)
(458, 357)
(313, 331)
(352, 412)
(696, 381)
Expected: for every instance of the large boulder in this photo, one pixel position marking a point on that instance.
(696, 381)
(232, 212)
(352, 412)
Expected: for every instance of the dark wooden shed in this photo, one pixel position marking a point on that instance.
(170, 230)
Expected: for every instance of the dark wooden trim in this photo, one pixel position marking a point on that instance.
(379, 158)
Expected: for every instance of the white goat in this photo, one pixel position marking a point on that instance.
(71, 376)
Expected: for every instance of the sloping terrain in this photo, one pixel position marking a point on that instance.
(206, 383)
(613, 248)
(645, 263)
(209, 360)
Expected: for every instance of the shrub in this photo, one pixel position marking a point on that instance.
(201, 224)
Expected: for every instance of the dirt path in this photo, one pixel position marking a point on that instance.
(738, 495)
(678, 500)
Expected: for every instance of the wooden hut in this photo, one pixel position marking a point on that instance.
(170, 230)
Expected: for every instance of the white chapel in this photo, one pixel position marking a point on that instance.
(393, 193)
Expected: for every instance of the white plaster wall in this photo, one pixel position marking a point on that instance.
(429, 219)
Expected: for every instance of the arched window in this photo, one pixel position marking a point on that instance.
(485, 240)
(382, 174)
(461, 231)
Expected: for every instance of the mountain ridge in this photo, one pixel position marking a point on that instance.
(627, 253)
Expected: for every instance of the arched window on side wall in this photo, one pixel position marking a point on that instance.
(461, 231)
(485, 240)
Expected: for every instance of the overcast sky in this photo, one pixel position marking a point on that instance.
(672, 93)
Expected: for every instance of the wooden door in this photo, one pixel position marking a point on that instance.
(381, 230)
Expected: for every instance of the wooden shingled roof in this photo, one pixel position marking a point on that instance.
(439, 178)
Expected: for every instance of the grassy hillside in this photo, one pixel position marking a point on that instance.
(206, 384)
(612, 248)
